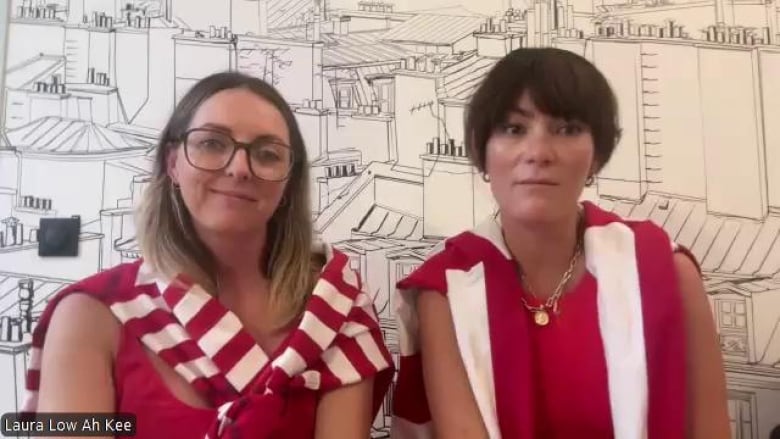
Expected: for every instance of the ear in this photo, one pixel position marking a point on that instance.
(594, 168)
(170, 164)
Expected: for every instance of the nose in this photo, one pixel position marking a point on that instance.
(538, 147)
(239, 165)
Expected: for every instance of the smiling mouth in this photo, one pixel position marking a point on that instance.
(234, 195)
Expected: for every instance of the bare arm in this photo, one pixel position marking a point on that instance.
(77, 358)
(345, 413)
(454, 410)
(707, 397)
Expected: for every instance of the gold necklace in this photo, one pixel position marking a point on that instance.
(541, 314)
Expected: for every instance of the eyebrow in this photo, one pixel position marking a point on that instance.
(521, 111)
(228, 131)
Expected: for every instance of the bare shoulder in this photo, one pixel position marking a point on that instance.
(452, 404)
(707, 394)
(82, 319)
(77, 357)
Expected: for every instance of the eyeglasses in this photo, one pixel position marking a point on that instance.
(211, 150)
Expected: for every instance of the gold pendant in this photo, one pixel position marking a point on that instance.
(541, 317)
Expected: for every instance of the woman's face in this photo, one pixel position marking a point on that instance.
(232, 200)
(538, 164)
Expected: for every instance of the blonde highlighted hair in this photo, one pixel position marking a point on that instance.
(165, 233)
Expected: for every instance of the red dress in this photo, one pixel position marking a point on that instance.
(338, 342)
(611, 364)
(140, 390)
(571, 399)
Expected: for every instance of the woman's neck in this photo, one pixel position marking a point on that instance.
(238, 258)
(543, 250)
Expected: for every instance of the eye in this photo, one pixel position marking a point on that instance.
(209, 141)
(269, 153)
(570, 129)
(212, 144)
(511, 129)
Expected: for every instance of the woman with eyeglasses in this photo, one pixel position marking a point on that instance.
(234, 323)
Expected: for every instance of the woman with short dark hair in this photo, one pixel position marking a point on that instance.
(554, 318)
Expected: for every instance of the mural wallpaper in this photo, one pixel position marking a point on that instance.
(379, 89)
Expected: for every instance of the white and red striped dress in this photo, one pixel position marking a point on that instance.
(253, 393)
(610, 365)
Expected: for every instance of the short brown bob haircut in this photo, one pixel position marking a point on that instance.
(560, 83)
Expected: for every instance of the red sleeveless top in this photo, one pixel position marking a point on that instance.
(610, 365)
(338, 342)
(159, 413)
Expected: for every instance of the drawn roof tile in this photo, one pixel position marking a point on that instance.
(284, 13)
(382, 222)
(59, 136)
(462, 78)
(434, 29)
(360, 48)
(39, 68)
(723, 245)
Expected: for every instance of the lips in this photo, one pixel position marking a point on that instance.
(235, 194)
(538, 181)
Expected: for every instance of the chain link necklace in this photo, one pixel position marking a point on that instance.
(541, 313)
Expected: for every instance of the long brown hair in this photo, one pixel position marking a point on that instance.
(165, 233)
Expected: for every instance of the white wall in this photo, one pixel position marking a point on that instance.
(700, 152)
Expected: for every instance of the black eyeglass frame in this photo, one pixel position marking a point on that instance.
(236, 146)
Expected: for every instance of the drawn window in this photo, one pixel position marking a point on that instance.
(741, 415)
(384, 95)
(733, 314)
(345, 96)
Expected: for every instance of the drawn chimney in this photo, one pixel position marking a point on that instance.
(262, 11)
(26, 293)
(10, 329)
(342, 25)
(75, 11)
(14, 231)
(167, 10)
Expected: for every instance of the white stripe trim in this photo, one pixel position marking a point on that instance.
(610, 255)
(189, 305)
(139, 306)
(339, 302)
(371, 350)
(340, 366)
(366, 303)
(145, 275)
(318, 331)
(197, 368)
(220, 334)
(468, 302)
(350, 277)
(312, 379)
(247, 367)
(291, 362)
(352, 329)
(168, 337)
